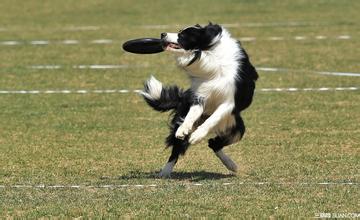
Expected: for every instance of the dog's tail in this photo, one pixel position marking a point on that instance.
(159, 97)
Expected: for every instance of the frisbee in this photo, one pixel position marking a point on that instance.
(144, 46)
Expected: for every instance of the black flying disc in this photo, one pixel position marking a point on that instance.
(144, 46)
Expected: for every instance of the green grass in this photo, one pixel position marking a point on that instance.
(100, 139)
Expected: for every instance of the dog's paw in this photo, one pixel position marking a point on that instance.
(164, 174)
(182, 131)
(197, 135)
(229, 164)
(166, 171)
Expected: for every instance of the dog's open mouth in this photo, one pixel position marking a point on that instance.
(170, 45)
(174, 46)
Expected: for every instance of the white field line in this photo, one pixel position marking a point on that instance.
(321, 89)
(102, 41)
(111, 41)
(101, 66)
(126, 91)
(339, 74)
(320, 37)
(344, 37)
(39, 42)
(240, 25)
(69, 28)
(167, 26)
(124, 66)
(272, 69)
(61, 42)
(45, 67)
(138, 186)
(246, 39)
(300, 38)
(81, 28)
(10, 43)
(93, 66)
(69, 42)
(275, 38)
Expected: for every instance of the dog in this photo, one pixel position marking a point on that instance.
(222, 85)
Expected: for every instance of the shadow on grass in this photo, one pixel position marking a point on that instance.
(195, 176)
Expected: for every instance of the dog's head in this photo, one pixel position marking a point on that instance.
(194, 38)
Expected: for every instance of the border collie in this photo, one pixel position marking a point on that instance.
(222, 85)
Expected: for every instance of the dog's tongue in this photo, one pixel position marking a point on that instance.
(176, 46)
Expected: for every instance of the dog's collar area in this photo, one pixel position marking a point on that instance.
(197, 55)
(218, 39)
(197, 52)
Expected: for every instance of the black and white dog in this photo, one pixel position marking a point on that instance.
(222, 85)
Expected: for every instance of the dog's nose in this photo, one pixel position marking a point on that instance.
(163, 35)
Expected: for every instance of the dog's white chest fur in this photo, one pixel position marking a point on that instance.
(213, 77)
(214, 92)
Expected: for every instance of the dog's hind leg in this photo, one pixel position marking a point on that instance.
(178, 147)
(219, 142)
(179, 144)
(167, 169)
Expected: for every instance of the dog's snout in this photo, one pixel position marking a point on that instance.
(163, 35)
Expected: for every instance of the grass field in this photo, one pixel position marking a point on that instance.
(294, 142)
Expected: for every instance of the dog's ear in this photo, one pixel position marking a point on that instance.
(213, 30)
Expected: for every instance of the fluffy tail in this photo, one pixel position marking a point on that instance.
(159, 97)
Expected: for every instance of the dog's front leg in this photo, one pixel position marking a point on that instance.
(211, 122)
(192, 116)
